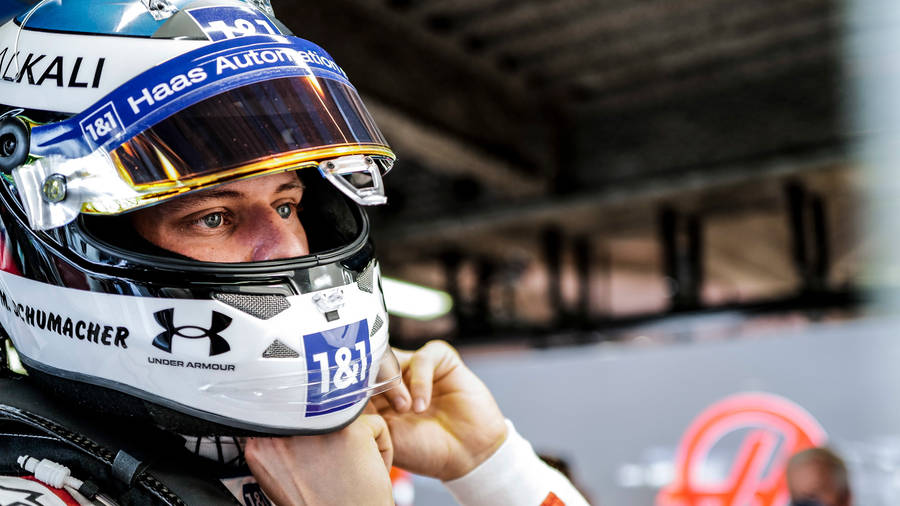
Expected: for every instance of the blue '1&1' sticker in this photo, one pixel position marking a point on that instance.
(219, 23)
(338, 362)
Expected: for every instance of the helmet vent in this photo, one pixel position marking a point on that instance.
(364, 280)
(260, 306)
(263, 5)
(160, 9)
(376, 325)
(280, 350)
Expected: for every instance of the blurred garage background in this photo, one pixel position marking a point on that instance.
(646, 223)
(572, 169)
(641, 213)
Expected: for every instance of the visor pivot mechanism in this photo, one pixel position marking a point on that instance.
(13, 141)
(330, 165)
(8, 147)
(357, 177)
(54, 188)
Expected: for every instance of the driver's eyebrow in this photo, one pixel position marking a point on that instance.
(293, 185)
(198, 199)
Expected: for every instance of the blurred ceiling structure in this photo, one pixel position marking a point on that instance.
(556, 135)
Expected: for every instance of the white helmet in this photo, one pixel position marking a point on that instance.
(109, 106)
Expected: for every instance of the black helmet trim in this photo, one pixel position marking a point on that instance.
(90, 258)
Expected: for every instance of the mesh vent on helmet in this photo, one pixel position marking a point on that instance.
(279, 350)
(260, 306)
(376, 325)
(364, 280)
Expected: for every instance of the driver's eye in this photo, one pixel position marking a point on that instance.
(285, 210)
(212, 220)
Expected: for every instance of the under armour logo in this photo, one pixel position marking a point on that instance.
(217, 344)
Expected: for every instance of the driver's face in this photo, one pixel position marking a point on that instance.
(245, 221)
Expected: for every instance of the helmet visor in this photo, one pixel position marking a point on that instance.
(283, 123)
(234, 109)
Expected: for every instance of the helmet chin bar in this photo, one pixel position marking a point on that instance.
(290, 371)
(356, 176)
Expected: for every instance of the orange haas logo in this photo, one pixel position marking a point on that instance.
(775, 429)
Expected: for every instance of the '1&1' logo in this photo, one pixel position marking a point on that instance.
(101, 126)
(220, 23)
(338, 361)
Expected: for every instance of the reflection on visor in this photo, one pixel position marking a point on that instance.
(149, 140)
(281, 123)
(265, 127)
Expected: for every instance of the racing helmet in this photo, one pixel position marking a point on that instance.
(107, 107)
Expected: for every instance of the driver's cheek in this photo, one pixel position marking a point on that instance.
(268, 236)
